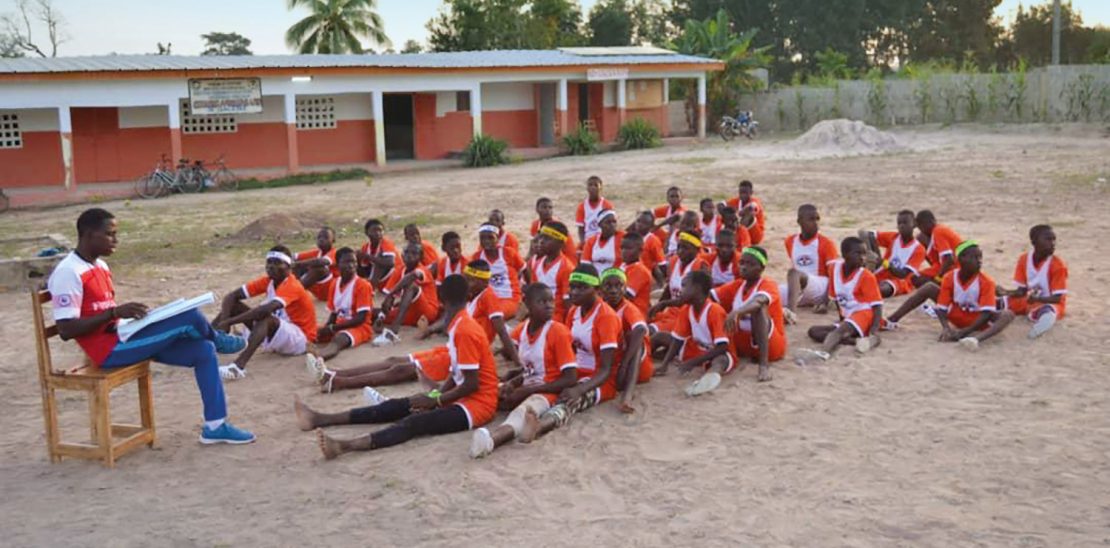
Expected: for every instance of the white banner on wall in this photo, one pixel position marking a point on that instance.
(599, 74)
(225, 96)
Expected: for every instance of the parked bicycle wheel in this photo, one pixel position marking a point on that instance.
(226, 180)
(149, 186)
(192, 181)
(5, 203)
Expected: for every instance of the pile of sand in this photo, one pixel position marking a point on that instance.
(846, 137)
(277, 227)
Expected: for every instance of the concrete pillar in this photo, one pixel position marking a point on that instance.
(666, 90)
(293, 160)
(561, 107)
(701, 107)
(379, 127)
(174, 111)
(65, 133)
(622, 100)
(476, 108)
(666, 129)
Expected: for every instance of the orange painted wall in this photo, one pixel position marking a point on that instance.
(658, 117)
(253, 146)
(572, 106)
(351, 142)
(435, 136)
(517, 127)
(608, 123)
(39, 162)
(140, 149)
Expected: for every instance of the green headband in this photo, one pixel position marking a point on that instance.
(963, 247)
(583, 278)
(614, 272)
(759, 256)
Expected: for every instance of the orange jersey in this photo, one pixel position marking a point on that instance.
(638, 286)
(676, 271)
(328, 257)
(593, 331)
(1048, 278)
(724, 272)
(586, 215)
(347, 301)
(504, 272)
(736, 294)
(601, 253)
(631, 318)
(385, 248)
(545, 355)
(570, 249)
(856, 294)
(899, 254)
(701, 330)
(652, 253)
(469, 350)
(964, 302)
(297, 306)
(424, 304)
(556, 276)
(811, 256)
(445, 268)
(665, 211)
(484, 308)
(430, 255)
(758, 227)
(942, 243)
(709, 229)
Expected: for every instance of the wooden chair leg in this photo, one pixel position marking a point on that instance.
(94, 405)
(104, 424)
(146, 406)
(50, 415)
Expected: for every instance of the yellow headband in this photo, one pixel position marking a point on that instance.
(475, 273)
(690, 239)
(552, 233)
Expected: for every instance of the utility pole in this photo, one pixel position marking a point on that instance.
(1056, 32)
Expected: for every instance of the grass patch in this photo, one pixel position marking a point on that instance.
(1076, 181)
(304, 179)
(847, 222)
(695, 161)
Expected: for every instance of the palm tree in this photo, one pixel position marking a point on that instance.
(335, 26)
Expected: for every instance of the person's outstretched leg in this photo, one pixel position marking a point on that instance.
(927, 292)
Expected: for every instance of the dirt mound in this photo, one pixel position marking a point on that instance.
(850, 137)
(277, 227)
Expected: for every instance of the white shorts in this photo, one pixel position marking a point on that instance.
(816, 287)
(288, 340)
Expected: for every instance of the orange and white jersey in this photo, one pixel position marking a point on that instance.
(740, 292)
(942, 242)
(811, 257)
(639, 285)
(556, 276)
(976, 295)
(586, 215)
(445, 267)
(546, 354)
(1048, 278)
(329, 258)
(346, 301)
(652, 253)
(385, 248)
(900, 253)
(80, 289)
(859, 291)
(665, 211)
(601, 253)
(700, 330)
(508, 239)
(676, 272)
(593, 331)
(424, 282)
(483, 308)
(469, 351)
(430, 255)
(504, 272)
(724, 273)
(709, 229)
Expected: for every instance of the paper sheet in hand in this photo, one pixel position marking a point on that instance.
(127, 328)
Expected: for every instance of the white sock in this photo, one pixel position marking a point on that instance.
(212, 425)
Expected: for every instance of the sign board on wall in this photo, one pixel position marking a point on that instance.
(600, 74)
(225, 96)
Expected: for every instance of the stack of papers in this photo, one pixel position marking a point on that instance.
(128, 327)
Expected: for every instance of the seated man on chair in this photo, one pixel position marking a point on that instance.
(85, 309)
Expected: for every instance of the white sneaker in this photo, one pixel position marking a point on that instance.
(232, 372)
(372, 397)
(481, 444)
(928, 311)
(807, 355)
(707, 383)
(387, 338)
(866, 344)
(1042, 325)
(887, 325)
(314, 366)
(971, 344)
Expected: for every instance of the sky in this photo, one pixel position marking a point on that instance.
(98, 27)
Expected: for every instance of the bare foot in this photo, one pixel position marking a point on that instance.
(625, 408)
(790, 316)
(531, 427)
(329, 447)
(305, 416)
(764, 374)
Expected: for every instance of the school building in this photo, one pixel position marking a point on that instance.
(67, 122)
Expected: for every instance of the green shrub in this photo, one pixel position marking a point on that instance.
(638, 133)
(485, 151)
(303, 179)
(581, 141)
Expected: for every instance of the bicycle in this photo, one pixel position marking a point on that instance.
(5, 203)
(158, 182)
(221, 179)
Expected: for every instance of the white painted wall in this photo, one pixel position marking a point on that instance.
(508, 96)
(609, 95)
(38, 119)
(348, 106)
(446, 101)
(150, 116)
(273, 112)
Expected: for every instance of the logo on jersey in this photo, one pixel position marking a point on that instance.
(804, 260)
(63, 301)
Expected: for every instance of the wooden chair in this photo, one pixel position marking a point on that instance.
(109, 441)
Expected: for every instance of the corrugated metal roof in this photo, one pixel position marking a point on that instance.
(462, 59)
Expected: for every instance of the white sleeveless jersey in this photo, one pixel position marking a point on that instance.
(709, 230)
(590, 216)
(1037, 278)
(532, 354)
(899, 254)
(845, 289)
(721, 275)
(582, 331)
(604, 255)
(967, 298)
(548, 276)
(806, 256)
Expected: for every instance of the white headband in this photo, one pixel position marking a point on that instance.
(488, 228)
(607, 213)
(279, 256)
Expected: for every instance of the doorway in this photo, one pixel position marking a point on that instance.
(547, 115)
(583, 103)
(399, 130)
(95, 144)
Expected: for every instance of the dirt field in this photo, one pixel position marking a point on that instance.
(916, 444)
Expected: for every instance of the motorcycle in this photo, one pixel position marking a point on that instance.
(744, 125)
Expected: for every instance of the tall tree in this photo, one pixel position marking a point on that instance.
(555, 23)
(949, 29)
(17, 33)
(336, 26)
(1031, 36)
(611, 23)
(716, 38)
(472, 25)
(8, 47)
(412, 46)
(226, 43)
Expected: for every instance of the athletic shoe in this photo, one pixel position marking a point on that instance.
(315, 366)
(807, 355)
(707, 383)
(227, 343)
(225, 433)
(928, 311)
(387, 338)
(1042, 325)
(372, 397)
(481, 444)
(231, 372)
(865, 344)
(887, 325)
(971, 344)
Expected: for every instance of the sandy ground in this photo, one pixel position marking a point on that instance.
(916, 444)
